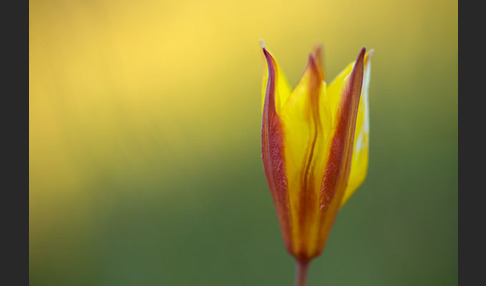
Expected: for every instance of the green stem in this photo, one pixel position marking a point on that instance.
(301, 275)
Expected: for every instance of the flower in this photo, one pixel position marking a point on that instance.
(314, 147)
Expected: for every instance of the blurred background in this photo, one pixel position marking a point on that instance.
(145, 161)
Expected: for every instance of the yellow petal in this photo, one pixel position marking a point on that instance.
(331, 103)
(304, 152)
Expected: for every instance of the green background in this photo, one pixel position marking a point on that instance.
(145, 163)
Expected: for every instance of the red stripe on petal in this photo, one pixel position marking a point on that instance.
(273, 154)
(339, 162)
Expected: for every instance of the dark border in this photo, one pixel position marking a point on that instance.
(15, 139)
(471, 120)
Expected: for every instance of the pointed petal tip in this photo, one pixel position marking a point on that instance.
(317, 53)
(362, 54)
(368, 56)
(269, 58)
(267, 55)
(313, 64)
(360, 60)
(312, 60)
(318, 49)
(262, 43)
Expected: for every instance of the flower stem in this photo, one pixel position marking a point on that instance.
(301, 275)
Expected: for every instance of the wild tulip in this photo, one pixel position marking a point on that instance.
(314, 149)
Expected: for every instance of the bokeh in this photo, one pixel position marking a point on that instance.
(145, 163)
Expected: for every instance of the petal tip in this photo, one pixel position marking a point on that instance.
(315, 64)
(368, 56)
(268, 57)
(312, 60)
(360, 61)
(318, 49)
(361, 54)
(262, 43)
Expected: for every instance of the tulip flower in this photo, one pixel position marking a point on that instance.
(314, 149)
